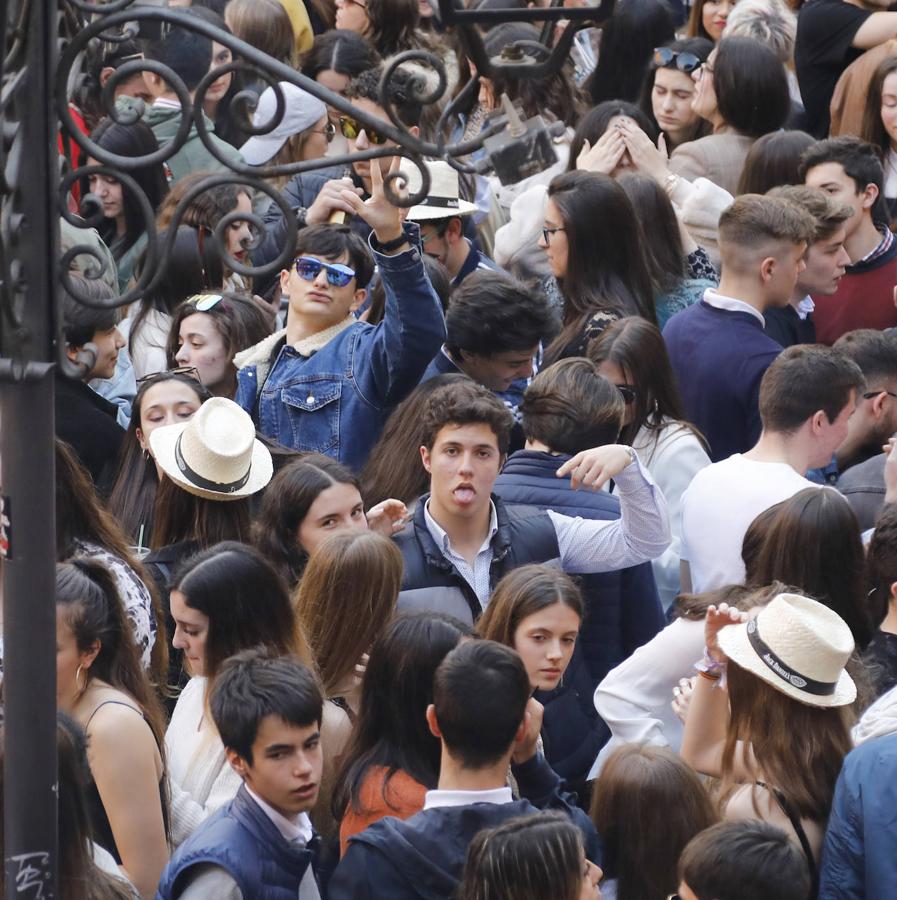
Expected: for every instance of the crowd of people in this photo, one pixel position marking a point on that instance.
(535, 541)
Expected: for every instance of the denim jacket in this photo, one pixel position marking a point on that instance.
(333, 397)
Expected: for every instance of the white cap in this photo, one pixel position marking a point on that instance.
(300, 112)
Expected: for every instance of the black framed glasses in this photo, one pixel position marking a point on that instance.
(329, 132)
(870, 394)
(351, 128)
(189, 371)
(338, 275)
(665, 58)
(627, 392)
(548, 232)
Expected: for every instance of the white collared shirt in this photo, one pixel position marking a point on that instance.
(805, 307)
(437, 798)
(477, 576)
(165, 103)
(294, 831)
(721, 301)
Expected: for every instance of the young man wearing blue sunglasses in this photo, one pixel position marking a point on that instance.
(327, 381)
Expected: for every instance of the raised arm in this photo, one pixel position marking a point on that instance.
(641, 533)
(878, 28)
(413, 328)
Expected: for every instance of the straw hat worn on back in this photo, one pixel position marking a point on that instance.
(799, 647)
(442, 201)
(300, 112)
(215, 454)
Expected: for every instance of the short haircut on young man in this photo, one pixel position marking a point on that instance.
(744, 861)
(254, 684)
(875, 352)
(571, 406)
(491, 313)
(858, 158)
(331, 241)
(403, 85)
(187, 53)
(81, 322)
(480, 692)
(828, 215)
(466, 403)
(755, 227)
(803, 380)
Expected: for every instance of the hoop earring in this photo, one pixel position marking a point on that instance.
(79, 672)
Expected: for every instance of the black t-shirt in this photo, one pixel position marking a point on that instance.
(825, 31)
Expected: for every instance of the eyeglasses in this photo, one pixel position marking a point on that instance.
(204, 302)
(351, 127)
(189, 371)
(329, 132)
(308, 269)
(548, 232)
(665, 58)
(870, 394)
(627, 392)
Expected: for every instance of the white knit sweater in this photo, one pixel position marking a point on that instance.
(200, 777)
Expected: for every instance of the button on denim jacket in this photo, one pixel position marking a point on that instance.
(336, 399)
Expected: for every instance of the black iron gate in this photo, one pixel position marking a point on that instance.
(45, 44)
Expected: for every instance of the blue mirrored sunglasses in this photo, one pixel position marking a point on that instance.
(337, 275)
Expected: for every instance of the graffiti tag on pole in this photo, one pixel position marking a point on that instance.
(33, 875)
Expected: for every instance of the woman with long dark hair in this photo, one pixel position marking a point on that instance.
(537, 610)
(308, 500)
(164, 398)
(123, 227)
(880, 124)
(101, 684)
(393, 759)
(669, 89)
(346, 598)
(631, 353)
(86, 870)
(86, 530)
(208, 330)
(742, 92)
(390, 25)
(680, 270)
(647, 805)
(592, 241)
(777, 730)
(539, 857)
(223, 600)
(193, 266)
(628, 40)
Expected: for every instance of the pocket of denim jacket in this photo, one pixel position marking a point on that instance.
(313, 409)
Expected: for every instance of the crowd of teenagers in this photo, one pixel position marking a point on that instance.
(535, 541)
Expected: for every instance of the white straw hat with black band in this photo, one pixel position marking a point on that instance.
(799, 647)
(442, 200)
(215, 454)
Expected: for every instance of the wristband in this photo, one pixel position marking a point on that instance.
(712, 670)
(393, 245)
(670, 182)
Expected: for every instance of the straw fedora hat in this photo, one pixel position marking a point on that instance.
(799, 647)
(442, 202)
(215, 454)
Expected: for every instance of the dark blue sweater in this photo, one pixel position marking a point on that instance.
(622, 613)
(719, 358)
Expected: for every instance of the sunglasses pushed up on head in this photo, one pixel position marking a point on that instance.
(665, 58)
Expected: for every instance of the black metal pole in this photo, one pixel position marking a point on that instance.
(29, 635)
(30, 248)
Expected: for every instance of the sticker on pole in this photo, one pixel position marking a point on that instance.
(5, 531)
